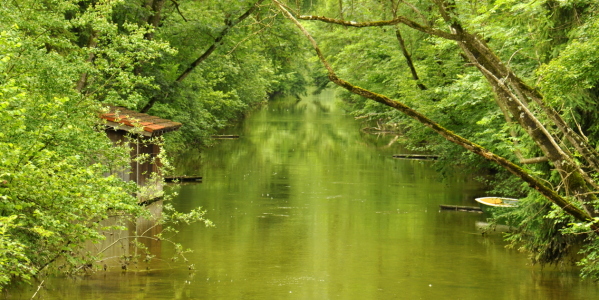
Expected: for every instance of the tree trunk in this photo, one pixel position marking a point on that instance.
(409, 61)
(92, 43)
(154, 19)
(404, 50)
(576, 181)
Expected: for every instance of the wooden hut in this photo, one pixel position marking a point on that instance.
(120, 122)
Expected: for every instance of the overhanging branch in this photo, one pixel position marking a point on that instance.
(395, 21)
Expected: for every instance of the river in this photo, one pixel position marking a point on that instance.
(307, 206)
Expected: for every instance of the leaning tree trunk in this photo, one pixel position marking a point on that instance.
(576, 181)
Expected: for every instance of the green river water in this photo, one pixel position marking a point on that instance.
(307, 206)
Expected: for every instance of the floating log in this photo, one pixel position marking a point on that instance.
(379, 131)
(487, 228)
(150, 201)
(226, 136)
(461, 208)
(416, 156)
(183, 179)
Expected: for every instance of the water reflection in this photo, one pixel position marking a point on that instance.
(307, 206)
(119, 250)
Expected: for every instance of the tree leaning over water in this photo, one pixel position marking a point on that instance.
(542, 112)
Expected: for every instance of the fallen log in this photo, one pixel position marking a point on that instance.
(183, 179)
(416, 156)
(461, 208)
(225, 136)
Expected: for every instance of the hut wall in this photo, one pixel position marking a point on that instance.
(140, 172)
(118, 138)
(143, 171)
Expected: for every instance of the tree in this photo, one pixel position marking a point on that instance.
(58, 61)
(52, 164)
(570, 154)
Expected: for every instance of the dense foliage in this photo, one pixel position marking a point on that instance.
(62, 62)
(511, 83)
(53, 157)
(517, 77)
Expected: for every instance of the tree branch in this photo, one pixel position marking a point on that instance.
(92, 43)
(395, 21)
(409, 61)
(178, 10)
(503, 81)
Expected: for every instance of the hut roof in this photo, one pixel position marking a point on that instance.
(120, 118)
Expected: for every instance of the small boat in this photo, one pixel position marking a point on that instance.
(497, 202)
(496, 207)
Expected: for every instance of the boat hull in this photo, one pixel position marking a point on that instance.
(494, 206)
(497, 201)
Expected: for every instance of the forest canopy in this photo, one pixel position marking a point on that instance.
(512, 85)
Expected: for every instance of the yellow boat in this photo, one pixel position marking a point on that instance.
(497, 202)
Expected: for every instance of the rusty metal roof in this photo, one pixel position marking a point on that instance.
(120, 118)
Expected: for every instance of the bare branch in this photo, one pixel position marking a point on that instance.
(39, 287)
(562, 157)
(533, 160)
(395, 21)
(406, 54)
(178, 10)
(249, 36)
(416, 10)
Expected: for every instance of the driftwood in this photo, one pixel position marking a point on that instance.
(461, 208)
(225, 136)
(415, 156)
(183, 179)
